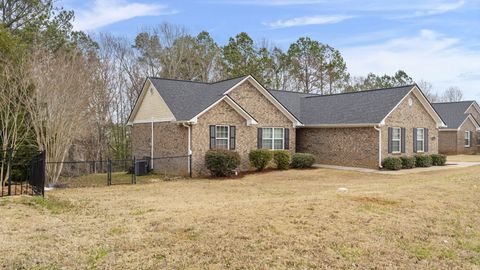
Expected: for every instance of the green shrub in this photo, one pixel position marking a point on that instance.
(439, 160)
(282, 159)
(408, 162)
(392, 163)
(302, 160)
(222, 162)
(423, 161)
(260, 158)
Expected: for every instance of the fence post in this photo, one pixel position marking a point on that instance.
(9, 173)
(190, 165)
(43, 167)
(109, 172)
(134, 173)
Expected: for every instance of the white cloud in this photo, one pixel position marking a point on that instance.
(429, 55)
(270, 2)
(105, 12)
(308, 20)
(435, 9)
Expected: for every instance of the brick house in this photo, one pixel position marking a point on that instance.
(178, 118)
(461, 136)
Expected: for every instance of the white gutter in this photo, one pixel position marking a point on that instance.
(377, 128)
(151, 148)
(341, 125)
(189, 160)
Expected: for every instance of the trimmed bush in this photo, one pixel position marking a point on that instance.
(423, 161)
(302, 160)
(392, 163)
(408, 162)
(222, 162)
(260, 158)
(439, 160)
(282, 159)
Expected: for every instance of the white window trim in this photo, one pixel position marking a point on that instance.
(469, 139)
(399, 141)
(273, 138)
(423, 140)
(228, 136)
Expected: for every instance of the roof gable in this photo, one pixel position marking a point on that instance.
(453, 113)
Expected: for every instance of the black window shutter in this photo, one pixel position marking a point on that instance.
(390, 140)
(212, 137)
(232, 137)
(426, 139)
(259, 138)
(415, 140)
(286, 138)
(403, 140)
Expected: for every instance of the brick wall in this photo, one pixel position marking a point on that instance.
(169, 140)
(461, 149)
(410, 117)
(248, 97)
(447, 142)
(357, 147)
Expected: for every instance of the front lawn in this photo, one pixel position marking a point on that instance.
(291, 219)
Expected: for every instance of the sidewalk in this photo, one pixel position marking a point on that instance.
(449, 165)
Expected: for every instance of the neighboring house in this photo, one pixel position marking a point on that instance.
(177, 118)
(461, 136)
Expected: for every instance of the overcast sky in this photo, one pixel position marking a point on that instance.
(434, 40)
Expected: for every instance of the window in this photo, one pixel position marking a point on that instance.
(420, 140)
(221, 137)
(467, 139)
(396, 140)
(273, 138)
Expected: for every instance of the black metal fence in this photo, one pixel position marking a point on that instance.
(120, 171)
(26, 173)
(22, 173)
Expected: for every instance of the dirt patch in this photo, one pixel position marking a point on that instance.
(374, 200)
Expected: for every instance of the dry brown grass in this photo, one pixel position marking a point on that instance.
(288, 219)
(464, 158)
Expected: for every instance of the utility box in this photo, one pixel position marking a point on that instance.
(141, 168)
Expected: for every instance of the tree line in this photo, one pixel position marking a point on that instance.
(71, 94)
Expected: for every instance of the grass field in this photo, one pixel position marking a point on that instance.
(464, 158)
(292, 219)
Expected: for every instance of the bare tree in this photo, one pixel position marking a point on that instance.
(14, 122)
(427, 89)
(59, 104)
(452, 94)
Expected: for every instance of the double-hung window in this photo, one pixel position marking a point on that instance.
(420, 140)
(221, 138)
(396, 140)
(273, 138)
(468, 139)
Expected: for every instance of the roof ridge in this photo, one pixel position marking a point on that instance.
(190, 81)
(178, 80)
(295, 92)
(452, 102)
(234, 78)
(363, 91)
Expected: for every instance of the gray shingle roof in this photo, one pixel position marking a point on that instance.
(291, 100)
(453, 113)
(186, 99)
(365, 107)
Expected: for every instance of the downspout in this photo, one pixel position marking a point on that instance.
(151, 148)
(189, 161)
(378, 128)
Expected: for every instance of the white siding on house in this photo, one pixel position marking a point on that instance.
(153, 107)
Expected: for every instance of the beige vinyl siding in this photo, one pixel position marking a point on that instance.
(153, 107)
